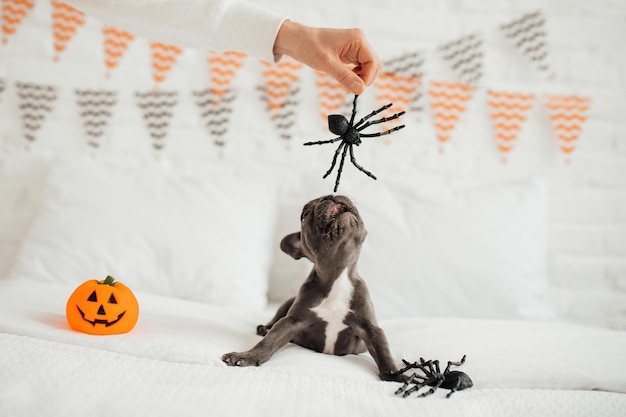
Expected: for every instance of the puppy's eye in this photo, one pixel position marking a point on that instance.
(304, 215)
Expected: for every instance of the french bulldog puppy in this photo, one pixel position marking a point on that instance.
(332, 312)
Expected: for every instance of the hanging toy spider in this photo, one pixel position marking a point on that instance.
(451, 380)
(350, 135)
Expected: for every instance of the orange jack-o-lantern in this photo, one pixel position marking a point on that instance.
(102, 307)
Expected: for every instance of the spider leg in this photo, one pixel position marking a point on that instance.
(386, 132)
(322, 142)
(416, 387)
(353, 109)
(363, 170)
(374, 113)
(454, 388)
(432, 390)
(383, 120)
(408, 366)
(340, 169)
(436, 363)
(341, 145)
(461, 362)
(452, 391)
(426, 367)
(411, 380)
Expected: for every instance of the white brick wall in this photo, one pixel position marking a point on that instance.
(587, 201)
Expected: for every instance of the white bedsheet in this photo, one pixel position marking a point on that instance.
(170, 363)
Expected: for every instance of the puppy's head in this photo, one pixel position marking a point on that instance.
(331, 229)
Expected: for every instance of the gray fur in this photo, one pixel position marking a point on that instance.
(331, 236)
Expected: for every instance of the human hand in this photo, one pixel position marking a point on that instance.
(344, 54)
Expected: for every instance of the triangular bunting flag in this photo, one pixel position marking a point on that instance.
(281, 89)
(95, 111)
(465, 57)
(397, 89)
(528, 35)
(409, 65)
(216, 102)
(223, 68)
(156, 107)
(35, 102)
(448, 101)
(13, 12)
(333, 98)
(115, 45)
(65, 23)
(567, 114)
(163, 59)
(215, 111)
(508, 112)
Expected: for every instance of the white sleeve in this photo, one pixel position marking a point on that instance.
(217, 25)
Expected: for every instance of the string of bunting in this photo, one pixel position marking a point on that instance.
(280, 93)
(403, 83)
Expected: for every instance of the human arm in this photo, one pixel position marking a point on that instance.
(219, 25)
(237, 25)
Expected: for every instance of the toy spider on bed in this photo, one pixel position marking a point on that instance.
(350, 135)
(451, 380)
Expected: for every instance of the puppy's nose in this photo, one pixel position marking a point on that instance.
(336, 209)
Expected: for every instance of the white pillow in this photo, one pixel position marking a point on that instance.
(206, 239)
(450, 251)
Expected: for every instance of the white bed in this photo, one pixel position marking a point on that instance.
(490, 305)
(456, 258)
(170, 364)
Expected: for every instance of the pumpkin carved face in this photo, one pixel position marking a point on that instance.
(102, 307)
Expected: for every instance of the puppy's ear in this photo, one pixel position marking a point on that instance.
(292, 245)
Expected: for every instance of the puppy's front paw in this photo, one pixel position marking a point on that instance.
(394, 376)
(240, 359)
(262, 330)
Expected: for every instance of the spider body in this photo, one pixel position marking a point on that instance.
(450, 380)
(350, 135)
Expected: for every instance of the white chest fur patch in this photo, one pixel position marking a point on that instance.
(333, 310)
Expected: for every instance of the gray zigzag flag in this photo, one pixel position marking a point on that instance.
(465, 57)
(35, 102)
(528, 35)
(156, 107)
(411, 65)
(215, 111)
(95, 111)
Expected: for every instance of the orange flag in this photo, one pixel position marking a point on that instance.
(281, 87)
(13, 12)
(216, 102)
(65, 23)
(400, 90)
(163, 59)
(331, 96)
(223, 68)
(115, 45)
(448, 101)
(508, 112)
(567, 114)
(279, 80)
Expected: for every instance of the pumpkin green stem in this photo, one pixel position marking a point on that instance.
(109, 280)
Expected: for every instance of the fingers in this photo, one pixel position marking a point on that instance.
(345, 54)
(349, 79)
(356, 51)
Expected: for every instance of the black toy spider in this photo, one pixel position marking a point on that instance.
(451, 380)
(350, 134)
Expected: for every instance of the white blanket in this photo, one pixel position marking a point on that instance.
(170, 363)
